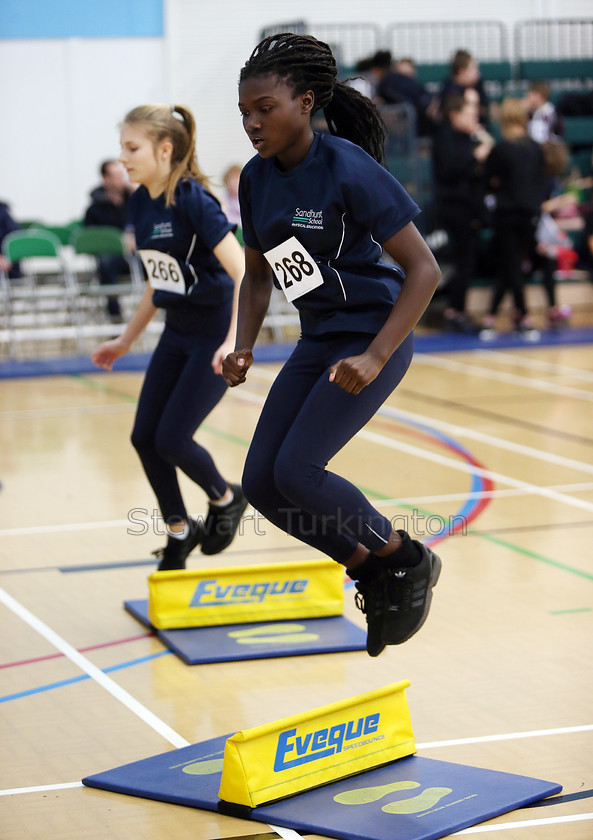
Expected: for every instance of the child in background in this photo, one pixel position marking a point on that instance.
(194, 265)
(514, 171)
(230, 200)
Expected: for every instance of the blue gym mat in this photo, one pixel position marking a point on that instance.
(412, 799)
(234, 642)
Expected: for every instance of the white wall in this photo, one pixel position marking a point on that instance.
(61, 100)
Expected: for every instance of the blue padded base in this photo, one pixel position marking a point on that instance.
(234, 642)
(414, 798)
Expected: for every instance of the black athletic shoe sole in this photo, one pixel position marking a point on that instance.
(221, 524)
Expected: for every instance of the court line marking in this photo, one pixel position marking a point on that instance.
(99, 646)
(40, 788)
(289, 834)
(430, 360)
(508, 736)
(552, 368)
(93, 672)
(66, 411)
(470, 434)
(108, 684)
(490, 440)
(460, 466)
(403, 500)
(479, 829)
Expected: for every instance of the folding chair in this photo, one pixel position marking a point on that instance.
(88, 246)
(43, 303)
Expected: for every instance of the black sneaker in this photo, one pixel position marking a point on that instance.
(221, 523)
(396, 603)
(176, 552)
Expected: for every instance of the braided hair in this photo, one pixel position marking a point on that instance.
(305, 63)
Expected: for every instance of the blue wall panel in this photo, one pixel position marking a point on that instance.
(81, 18)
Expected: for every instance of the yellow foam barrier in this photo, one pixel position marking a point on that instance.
(237, 595)
(301, 752)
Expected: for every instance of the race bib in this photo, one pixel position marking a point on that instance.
(164, 272)
(294, 268)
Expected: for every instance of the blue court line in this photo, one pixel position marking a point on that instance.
(465, 512)
(98, 567)
(436, 343)
(558, 800)
(50, 686)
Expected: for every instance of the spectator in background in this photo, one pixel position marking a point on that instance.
(397, 82)
(363, 81)
(458, 160)
(230, 199)
(515, 173)
(544, 124)
(108, 208)
(465, 73)
(7, 225)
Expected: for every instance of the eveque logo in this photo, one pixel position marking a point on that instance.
(209, 593)
(294, 749)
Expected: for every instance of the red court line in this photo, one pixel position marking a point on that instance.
(80, 650)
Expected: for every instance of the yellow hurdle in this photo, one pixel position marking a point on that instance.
(301, 752)
(237, 595)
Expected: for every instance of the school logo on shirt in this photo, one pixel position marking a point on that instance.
(310, 219)
(163, 230)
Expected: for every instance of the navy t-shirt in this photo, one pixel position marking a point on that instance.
(188, 230)
(341, 205)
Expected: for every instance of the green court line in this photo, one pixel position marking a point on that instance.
(491, 538)
(107, 389)
(85, 380)
(570, 612)
(535, 556)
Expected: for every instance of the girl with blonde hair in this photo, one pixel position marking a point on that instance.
(193, 264)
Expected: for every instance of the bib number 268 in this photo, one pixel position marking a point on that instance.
(294, 268)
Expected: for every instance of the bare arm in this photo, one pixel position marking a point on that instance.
(106, 354)
(411, 252)
(254, 299)
(230, 255)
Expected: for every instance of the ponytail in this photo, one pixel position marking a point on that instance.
(177, 124)
(353, 116)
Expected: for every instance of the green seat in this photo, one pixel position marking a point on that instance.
(32, 242)
(104, 241)
(63, 232)
(98, 241)
(496, 71)
(578, 131)
(433, 73)
(558, 69)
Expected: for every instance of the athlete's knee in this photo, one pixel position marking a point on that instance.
(257, 482)
(142, 439)
(295, 477)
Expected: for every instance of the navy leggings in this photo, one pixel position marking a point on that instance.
(180, 389)
(305, 421)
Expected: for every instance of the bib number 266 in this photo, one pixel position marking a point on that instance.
(294, 268)
(163, 270)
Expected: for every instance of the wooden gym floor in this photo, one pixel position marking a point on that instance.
(501, 674)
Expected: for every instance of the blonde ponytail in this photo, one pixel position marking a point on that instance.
(176, 124)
